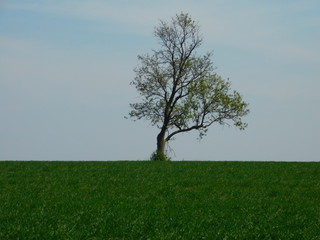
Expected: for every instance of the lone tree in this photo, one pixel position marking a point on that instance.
(179, 89)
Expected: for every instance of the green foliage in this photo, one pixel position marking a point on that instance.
(159, 200)
(159, 156)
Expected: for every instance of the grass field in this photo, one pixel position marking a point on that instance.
(159, 200)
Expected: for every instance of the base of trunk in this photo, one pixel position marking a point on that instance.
(159, 156)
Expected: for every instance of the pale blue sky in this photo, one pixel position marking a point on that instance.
(66, 65)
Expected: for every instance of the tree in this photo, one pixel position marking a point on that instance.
(179, 90)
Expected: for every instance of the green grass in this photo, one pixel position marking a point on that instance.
(159, 200)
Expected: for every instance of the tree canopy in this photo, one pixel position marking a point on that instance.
(179, 89)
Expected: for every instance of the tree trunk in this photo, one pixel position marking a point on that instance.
(161, 142)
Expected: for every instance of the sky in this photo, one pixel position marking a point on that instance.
(66, 65)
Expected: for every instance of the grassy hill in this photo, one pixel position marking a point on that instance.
(159, 200)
